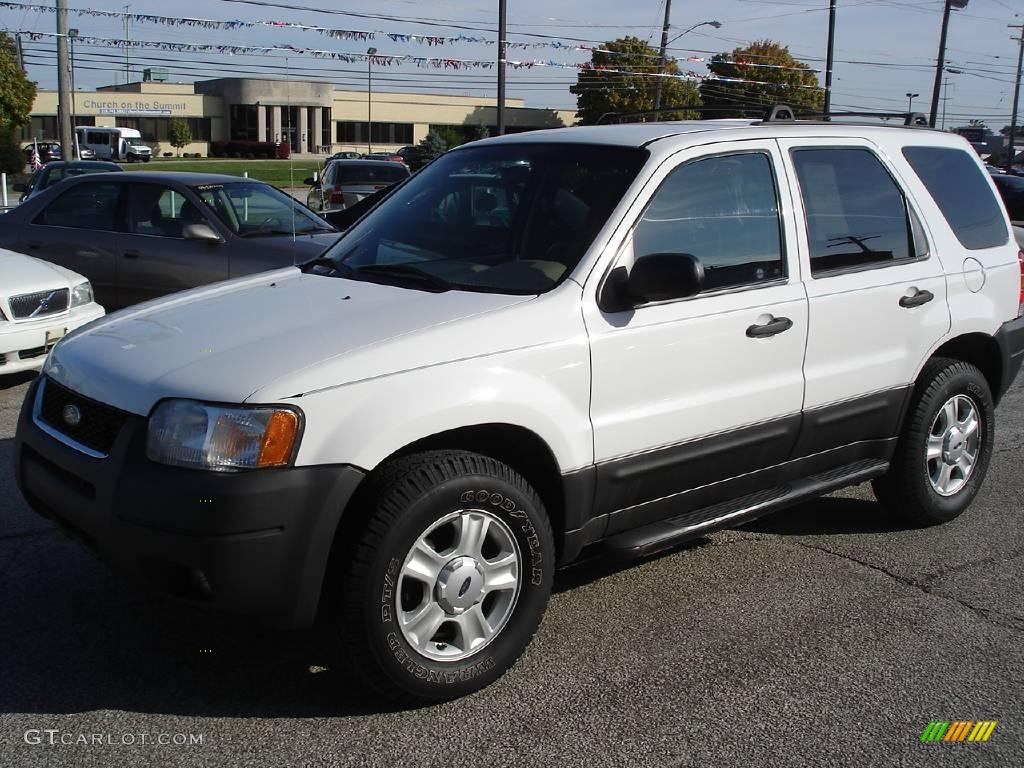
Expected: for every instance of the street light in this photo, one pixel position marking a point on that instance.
(910, 101)
(664, 44)
(370, 53)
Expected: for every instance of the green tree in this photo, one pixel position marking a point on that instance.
(17, 93)
(179, 135)
(450, 135)
(780, 79)
(432, 146)
(621, 78)
(480, 132)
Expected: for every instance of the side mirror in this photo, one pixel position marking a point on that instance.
(310, 181)
(655, 277)
(200, 232)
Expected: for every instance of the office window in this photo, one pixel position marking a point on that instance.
(354, 132)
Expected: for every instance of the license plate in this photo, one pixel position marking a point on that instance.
(53, 335)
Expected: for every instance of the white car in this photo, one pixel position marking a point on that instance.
(612, 337)
(39, 304)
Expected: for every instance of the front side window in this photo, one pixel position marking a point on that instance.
(502, 218)
(360, 173)
(856, 215)
(725, 212)
(160, 211)
(252, 209)
(84, 206)
(958, 187)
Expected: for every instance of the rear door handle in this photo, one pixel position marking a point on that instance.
(131, 254)
(771, 328)
(916, 299)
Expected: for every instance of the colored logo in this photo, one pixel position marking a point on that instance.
(958, 730)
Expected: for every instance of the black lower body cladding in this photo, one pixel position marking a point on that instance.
(1010, 338)
(251, 542)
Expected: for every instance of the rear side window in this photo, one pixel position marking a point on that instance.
(722, 210)
(85, 206)
(856, 215)
(958, 187)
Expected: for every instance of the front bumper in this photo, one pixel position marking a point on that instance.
(249, 542)
(1010, 338)
(23, 345)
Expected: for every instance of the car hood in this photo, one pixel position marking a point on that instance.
(25, 274)
(227, 341)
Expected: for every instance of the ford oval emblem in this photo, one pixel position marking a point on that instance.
(71, 415)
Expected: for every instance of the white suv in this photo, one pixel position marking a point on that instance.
(610, 337)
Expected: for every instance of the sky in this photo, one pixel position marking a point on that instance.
(884, 48)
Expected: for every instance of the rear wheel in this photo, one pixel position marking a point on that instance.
(944, 451)
(449, 579)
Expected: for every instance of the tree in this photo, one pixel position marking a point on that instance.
(772, 76)
(179, 135)
(17, 93)
(479, 132)
(620, 77)
(432, 147)
(450, 135)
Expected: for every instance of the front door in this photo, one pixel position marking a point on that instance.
(156, 259)
(876, 293)
(689, 393)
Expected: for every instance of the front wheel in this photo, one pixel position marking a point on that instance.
(450, 578)
(944, 451)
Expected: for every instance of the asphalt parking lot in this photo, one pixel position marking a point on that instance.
(826, 635)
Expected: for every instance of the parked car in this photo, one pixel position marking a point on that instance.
(137, 236)
(413, 156)
(57, 171)
(40, 303)
(345, 156)
(390, 157)
(1011, 189)
(48, 150)
(677, 327)
(346, 182)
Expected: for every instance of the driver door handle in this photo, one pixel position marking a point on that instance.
(916, 299)
(771, 328)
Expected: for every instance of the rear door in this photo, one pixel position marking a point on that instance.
(876, 295)
(156, 259)
(79, 229)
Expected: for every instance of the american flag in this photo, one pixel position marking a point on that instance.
(35, 162)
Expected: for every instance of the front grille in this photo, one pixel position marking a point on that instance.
(28, 354)
(98, 424)
(39, 304)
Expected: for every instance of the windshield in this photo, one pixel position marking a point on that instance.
(253, 209)
(136, 142)
(504, 218)
(370, 174)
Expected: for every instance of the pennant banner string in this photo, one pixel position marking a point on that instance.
(358, 34)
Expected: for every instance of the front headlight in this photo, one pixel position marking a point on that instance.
(186, 433)
(81, 294)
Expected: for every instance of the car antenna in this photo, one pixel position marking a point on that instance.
(291, 160)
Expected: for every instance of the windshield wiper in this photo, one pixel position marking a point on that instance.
(406, 271)
(331, 264)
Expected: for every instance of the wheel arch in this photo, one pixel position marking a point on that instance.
(980, 350)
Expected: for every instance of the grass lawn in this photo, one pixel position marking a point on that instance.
(280, 173)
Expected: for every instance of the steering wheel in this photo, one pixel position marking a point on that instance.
(271, 222)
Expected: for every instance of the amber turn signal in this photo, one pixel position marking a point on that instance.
(279, 439)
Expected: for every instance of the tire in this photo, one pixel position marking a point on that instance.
(915, 486)
(435, 501)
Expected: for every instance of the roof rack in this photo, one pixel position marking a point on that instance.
(777, 113)
(786, 113)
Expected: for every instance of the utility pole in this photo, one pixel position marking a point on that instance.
(502, 18)
(127, 47)
(1016, 94)
(910, 101)
(940, 63)
(830, 56)
(945, 98)
(370, 53)
(63, 82)
(661, 57)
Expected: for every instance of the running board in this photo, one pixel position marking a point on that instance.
(666, 533)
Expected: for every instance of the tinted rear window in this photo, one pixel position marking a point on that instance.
(370, 174)
(958, 186)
